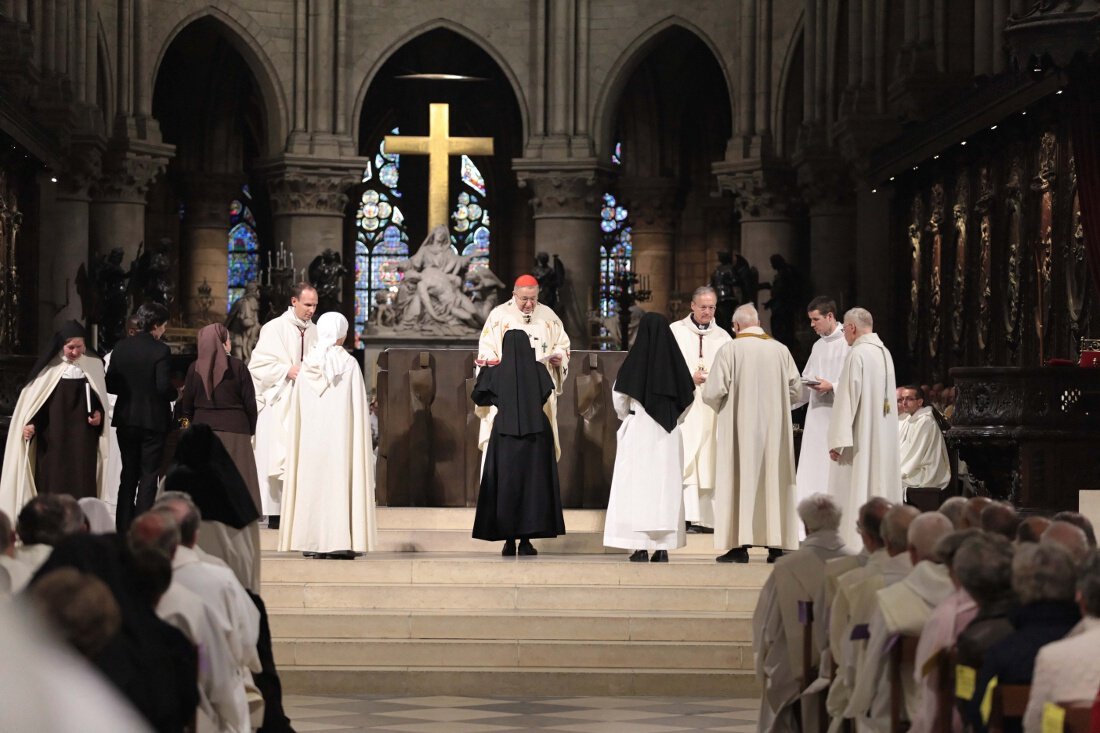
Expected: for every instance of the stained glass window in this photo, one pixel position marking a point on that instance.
(382, 244)
(470, 227)
(616, 260)
(243, 246)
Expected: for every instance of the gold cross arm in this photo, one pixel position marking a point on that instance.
(438, 146)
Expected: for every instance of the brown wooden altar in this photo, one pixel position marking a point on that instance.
(1031, 435)
(428, 453)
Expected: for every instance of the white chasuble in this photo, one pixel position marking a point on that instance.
(283, 344)
(548, 338)
(697, 430)
(922, 455)
(826, 362)
(864, 429)
(751, 385)
(645, 510)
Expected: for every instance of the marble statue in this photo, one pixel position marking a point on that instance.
(243, 322)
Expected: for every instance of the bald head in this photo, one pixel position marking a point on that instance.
(746, 316)
(1078, 520)
(953, 509)
(924, 532)
(1031, 529)
(895, 528)
(972, 515)
(155, 530)
(1069, 536)
(1000, 518)
(187, 515)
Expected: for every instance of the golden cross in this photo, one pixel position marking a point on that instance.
(439, 146)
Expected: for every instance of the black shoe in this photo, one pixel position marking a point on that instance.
(660, 556)
(340, 555)
(526, 548)
(699, 529)
(509, 548)
(774, 553)
(273, 521)
(312, 555)
(640, 556)
(737, 554)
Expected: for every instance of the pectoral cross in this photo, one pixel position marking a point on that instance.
(439, 146)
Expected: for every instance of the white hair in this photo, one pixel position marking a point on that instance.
(819, 511)
(746, 315)
(925, 531)
(861, 317)
(703, 290)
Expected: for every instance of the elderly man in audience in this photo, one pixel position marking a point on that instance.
(1069, 536)
(972, 512)
(902, 608)
(1000, 518)
(43, 522)
(953, 508)
(1031, 529)
(777, 632)
(223, 705)
(856, 599)
(939, 634)
(14, 575)
(983, 567)
(1078, 520)
(1068, 671)
(1045, 580)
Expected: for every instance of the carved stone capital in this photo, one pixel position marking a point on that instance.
(83, 167)
(567, 192)
(129, 167)
(858, 136)
(822, 175)
(763, 192)
(307, 185)
(206, 198)
(652, 202)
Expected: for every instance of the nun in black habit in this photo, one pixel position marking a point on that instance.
(519, 496)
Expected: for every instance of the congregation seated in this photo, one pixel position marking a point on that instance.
(98, 518)
(901, 608)
(953, 508)
(972, 512)
(1069, 536)
(983, 566)
(777, 632)
(884, 530)
(43, 522)
(14, 575)
(1044, 580)
(1031, 529)
(1068, 670)
(154, 539)
(79, 607)
(1080, 521)
(1000, 518)
(938, 636)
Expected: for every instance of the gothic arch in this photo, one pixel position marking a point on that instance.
(603, 114)
(356, 109)
(250, 46)
(795, 49)
(105, 76)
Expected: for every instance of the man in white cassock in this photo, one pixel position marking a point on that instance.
(751, 386)
(819, 378)
(328, 497)
(922, 452)
(863, 429)
(776, 629)
(548, 338)
(699, 339)
(274, 365)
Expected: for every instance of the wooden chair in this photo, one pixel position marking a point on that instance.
(1009, 702)
(809, 672)
(902, 655)
(945, 689)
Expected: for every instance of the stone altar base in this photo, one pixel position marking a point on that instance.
(449, 616)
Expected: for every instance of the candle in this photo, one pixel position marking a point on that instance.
(88, 396)
(95, 337)
(269, 259)
(291, 260)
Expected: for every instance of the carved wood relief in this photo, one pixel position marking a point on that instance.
(1010, 302)
(916, 226)
(985, 260)
(960, 211)
(935, 296)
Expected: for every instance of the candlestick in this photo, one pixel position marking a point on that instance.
(269, 259)
(88, 396)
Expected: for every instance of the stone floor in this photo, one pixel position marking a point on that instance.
(451, 714)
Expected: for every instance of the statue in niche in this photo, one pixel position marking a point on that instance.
(551, 278)
(150, 275)
(383, 313)
(786, 300)
(439, 294)
(243, 322)
(326, 273)
(109, 304)
(727, 289)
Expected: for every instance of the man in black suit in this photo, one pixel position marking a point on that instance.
(138, 375)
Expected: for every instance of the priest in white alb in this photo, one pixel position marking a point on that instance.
(777, 632)
(863, 429)
(922, 452)
(548, 338)
(751, 386)
(328, 496)
(274, 365)
(699, 339)
(819, 378)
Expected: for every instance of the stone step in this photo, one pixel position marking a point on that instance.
(426, 624)
(520, 655)
(509, 682)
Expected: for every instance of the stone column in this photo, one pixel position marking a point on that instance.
(827, 189)
(653, 220)
(64, 228)
(203, 246)
(309, 201)
(566, 207)
(118, 197)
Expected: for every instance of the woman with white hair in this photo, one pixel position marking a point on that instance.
(328, 497)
